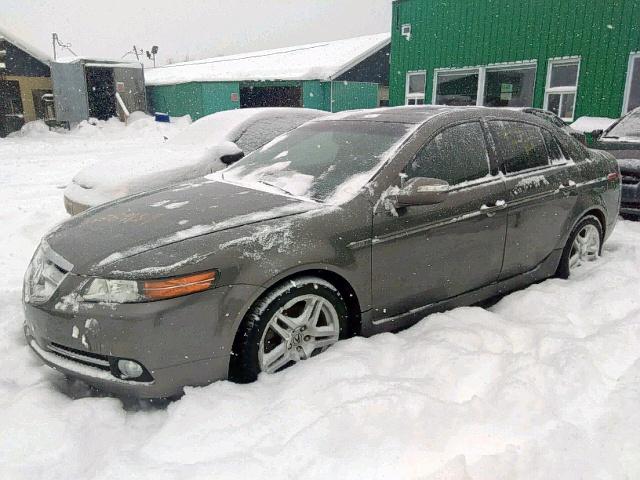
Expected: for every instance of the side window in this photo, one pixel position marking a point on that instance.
(264, 130)
(555, 152)
(519, 145)
(458, 154)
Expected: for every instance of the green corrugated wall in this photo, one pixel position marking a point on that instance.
(314, 95)
(468, 33)
(195, 99)
(354, 95)
(200, 99)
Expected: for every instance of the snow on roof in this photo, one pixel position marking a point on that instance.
(25, 47)
(99, 62)
(317, 61)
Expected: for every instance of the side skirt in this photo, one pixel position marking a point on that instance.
(391, 324)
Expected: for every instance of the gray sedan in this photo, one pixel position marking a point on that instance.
(356, 223)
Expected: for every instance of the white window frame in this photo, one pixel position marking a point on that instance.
(415, 96)
(482, 76)
(560, 90)
(633, 57)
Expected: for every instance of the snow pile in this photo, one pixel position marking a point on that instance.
(589, 124)
(318, 61)
(545, 384)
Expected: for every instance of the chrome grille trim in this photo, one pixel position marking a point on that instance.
(97, 362)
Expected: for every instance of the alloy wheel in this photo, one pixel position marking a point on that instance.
(585, 248)
(305, 326)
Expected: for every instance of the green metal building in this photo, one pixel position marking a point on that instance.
(573, 57)
(330, 76)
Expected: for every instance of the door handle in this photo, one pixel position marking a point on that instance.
(490, 210)
(568, 187)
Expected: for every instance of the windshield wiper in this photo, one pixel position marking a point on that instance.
(276, 186)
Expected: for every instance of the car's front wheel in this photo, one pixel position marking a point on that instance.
(584, 245)
(295, 321)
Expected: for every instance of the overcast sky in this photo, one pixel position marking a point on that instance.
(193, 28)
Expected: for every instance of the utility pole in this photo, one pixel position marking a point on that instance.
(55, 41)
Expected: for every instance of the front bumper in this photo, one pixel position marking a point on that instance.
(630, 199)
(182, 341)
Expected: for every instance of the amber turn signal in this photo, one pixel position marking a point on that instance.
(178, 286)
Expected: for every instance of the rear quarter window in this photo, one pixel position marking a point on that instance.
(553, 147)
(520, 146)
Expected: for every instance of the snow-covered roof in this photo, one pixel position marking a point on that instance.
(99, 62)
(25, 47)
(317, 61)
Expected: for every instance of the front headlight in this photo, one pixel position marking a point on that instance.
(111, 291)
(134, 291)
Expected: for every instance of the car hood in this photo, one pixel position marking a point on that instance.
(101, 183)
(630, 165)
(133, 225)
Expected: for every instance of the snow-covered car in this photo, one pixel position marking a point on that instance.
(622, 140)
(357, 223)
(209, 144)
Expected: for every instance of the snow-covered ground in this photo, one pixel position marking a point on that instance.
(545, 384)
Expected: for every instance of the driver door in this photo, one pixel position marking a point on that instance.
(429, 253)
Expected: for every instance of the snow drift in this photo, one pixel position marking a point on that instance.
(544, 384)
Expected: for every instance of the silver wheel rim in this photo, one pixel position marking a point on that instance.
(305, 326)
(585, 248)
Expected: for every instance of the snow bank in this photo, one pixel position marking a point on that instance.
(545, 384)
(589, 124)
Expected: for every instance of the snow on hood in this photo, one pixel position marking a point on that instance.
(589, 124)
(94, 240)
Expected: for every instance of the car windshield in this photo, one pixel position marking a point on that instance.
(628, 127)
(325, 161)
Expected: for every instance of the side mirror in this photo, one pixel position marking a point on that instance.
(422, 191)
(231, 158)
(596, 134)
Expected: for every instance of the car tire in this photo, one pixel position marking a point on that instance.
(293, 321)
(573, 254)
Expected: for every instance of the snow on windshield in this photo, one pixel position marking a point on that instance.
(326, 161)
(628, 127)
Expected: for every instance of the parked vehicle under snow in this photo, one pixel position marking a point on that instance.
(206, 146)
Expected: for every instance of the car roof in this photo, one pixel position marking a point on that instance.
(227, 125)
(423, 113)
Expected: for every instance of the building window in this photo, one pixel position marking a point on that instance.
(416, 82)
(459, 87)
(632, 89)
(508, 85)
(562, 87)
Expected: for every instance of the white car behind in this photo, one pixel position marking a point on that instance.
(208, 145)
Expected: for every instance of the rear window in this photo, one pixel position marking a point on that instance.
(520, 146)
(264, 130)
(456, 155)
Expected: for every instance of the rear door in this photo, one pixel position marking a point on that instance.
(540, 193)
(425, 254)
